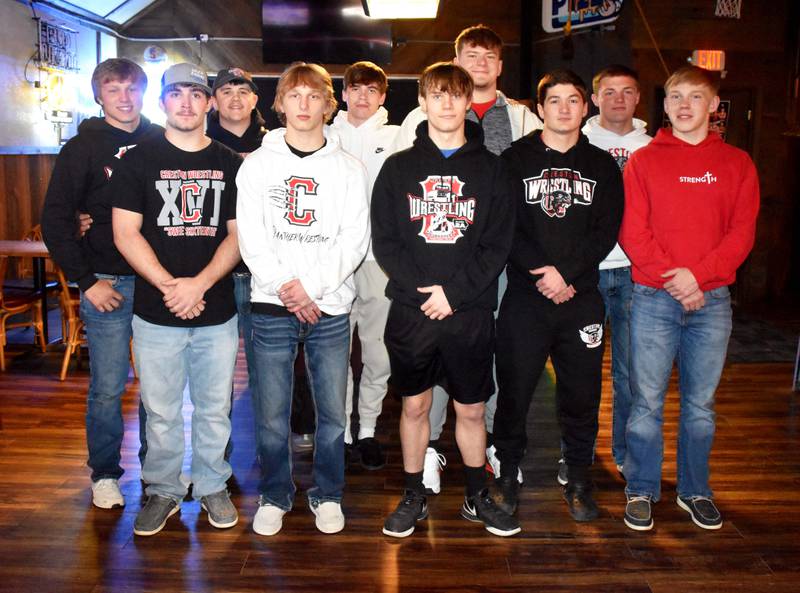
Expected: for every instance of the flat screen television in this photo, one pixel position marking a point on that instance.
(325, 31)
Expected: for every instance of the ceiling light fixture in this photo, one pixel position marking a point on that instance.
(401, 9)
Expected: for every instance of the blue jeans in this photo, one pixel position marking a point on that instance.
(327, 348)
(662, 331)
(241, 291)
(108, 335)
(165, 357)
(616, 288)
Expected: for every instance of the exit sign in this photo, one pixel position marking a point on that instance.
(710, 59)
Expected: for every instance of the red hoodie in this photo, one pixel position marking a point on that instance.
(689, 206)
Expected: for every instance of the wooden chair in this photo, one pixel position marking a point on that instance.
(25, 264)
(17, 303)
(73, 334)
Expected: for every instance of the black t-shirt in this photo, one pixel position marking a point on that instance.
(186, 199)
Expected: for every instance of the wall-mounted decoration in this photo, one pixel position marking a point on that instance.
(558, 15)
(58, 46)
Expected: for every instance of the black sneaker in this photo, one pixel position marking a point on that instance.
(703, 511)
(372, 456)
(581, 504)
(413, 507)
(482, 509)
(638, 514)
(505, 494)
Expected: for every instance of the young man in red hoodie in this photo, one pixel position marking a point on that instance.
(691, 203)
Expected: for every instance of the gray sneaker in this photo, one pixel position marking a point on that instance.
(221, 512)
(638, 514)
(153, 516)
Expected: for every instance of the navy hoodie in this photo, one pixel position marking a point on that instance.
(445, 221)
(569, 210)
(247, 142)
(80, 183)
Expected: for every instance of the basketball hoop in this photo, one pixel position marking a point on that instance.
(731, 9)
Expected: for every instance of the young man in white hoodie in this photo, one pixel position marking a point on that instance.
(304, 229)
(479, 50)
(616, 95)
(365, 134)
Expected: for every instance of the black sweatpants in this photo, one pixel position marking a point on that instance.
(529, 329)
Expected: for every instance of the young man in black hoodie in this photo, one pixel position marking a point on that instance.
(235, 122)
(442, 223)
(569, 202)
(80, 183)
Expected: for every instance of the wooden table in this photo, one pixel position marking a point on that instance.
(36, 250)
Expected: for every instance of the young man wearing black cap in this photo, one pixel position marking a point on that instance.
(235, 122)
(174, 221)
(234, 119)
(80, 183)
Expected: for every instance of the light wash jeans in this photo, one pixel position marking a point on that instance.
(108, 335)
(662, 331)
(166, 357)
(616, 287)
(327, 350)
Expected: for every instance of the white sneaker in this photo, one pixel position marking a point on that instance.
(494, 464)
(268, 519)
(432, 471)
(330, 518)
(106, 494)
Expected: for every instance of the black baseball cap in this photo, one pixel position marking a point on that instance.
(233, 75)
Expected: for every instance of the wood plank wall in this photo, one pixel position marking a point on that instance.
(23, 184)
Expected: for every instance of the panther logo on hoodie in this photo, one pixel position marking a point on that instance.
(555, 190)
(443, 215)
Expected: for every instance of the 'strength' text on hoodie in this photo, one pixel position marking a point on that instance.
(690, 206)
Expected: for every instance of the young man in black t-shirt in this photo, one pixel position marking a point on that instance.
(174, 221)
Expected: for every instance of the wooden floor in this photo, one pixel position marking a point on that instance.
(54, 540)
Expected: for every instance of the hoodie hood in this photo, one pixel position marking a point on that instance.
(593, 127)
(665, 138)
(247, 142)
(472, 131)
(98, 125)
(378, 119)
(275, 141)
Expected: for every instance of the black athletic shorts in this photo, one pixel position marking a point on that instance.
(456, 352)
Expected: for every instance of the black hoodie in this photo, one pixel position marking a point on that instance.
(445, 221)
(569, 210)
(247, 142)
(80, 183)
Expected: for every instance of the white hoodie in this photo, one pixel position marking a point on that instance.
(304, 218)
(621, 148)
(370, 142)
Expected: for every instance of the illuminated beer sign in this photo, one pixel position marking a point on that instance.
(710, 59)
